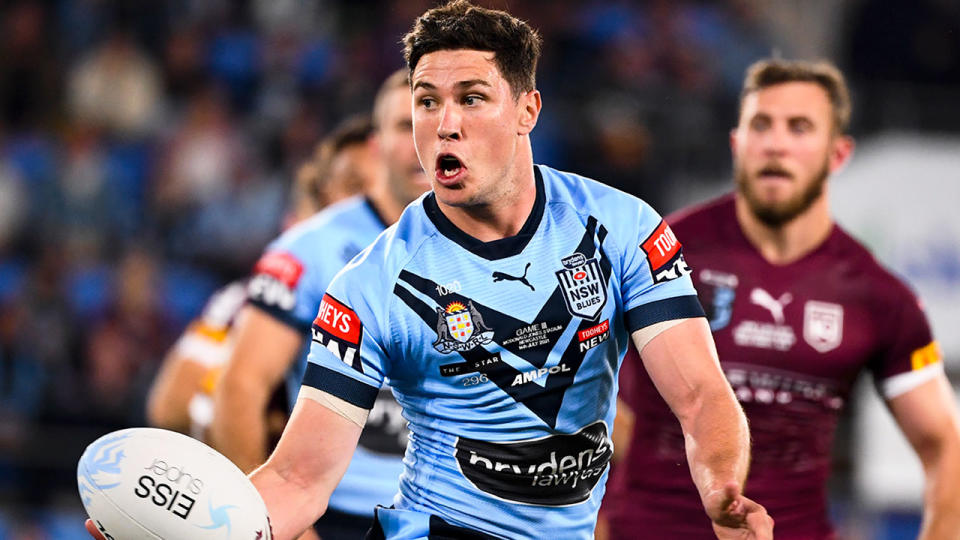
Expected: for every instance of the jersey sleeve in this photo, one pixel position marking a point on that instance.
(286, 287)
(347, 358)
(206, 340)
(909, 356)
(656, 284)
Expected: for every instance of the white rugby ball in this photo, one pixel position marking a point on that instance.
(153, 483)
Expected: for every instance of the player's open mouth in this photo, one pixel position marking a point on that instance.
(449, 168)
(775, 172)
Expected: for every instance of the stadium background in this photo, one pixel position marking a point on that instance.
(146, 149)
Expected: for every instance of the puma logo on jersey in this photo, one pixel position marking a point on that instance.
(775, 306)
(500, 276)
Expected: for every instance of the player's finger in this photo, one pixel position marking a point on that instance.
(761, 524)
(730, 492)
(92, 529)
(732, 500)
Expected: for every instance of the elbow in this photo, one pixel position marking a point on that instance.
(940, 455)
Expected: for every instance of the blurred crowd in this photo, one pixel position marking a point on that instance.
(146, 150)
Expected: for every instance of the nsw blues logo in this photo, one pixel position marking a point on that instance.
(583, 286)
(460, 328)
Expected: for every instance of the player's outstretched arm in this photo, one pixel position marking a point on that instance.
(308, 463)
(265, 349)
(682, 362)
(927, 415)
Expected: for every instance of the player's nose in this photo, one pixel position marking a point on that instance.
(451, 123)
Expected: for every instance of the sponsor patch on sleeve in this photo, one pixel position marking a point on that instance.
(275, 280)
(338, 328)
(926, 356)
(664, 254)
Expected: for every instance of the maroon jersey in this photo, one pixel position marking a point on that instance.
(791, 339)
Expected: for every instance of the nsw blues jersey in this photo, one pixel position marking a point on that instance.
(504, 354)
(288, 283)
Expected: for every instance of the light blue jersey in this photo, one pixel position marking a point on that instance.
(288, 283)
(504, 354)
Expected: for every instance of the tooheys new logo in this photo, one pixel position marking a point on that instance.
(275, 280)
(338, 328)
(664, 254)
(559, 470)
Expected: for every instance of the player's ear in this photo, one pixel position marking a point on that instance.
(841, 148)
(733, 141)
(529, 104)
(373, 142)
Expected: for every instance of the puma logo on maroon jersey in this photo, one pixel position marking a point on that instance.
(775, 306)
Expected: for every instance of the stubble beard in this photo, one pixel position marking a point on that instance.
(778, 214)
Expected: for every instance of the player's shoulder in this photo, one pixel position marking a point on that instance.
(587, 196)
(329, 224)
(707, 217)
(863, 266)
(381, 261)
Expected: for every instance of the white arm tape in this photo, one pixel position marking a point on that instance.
(643, 336)
(901, 384)
(357, 415)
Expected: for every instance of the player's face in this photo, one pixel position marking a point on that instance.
(468, 127)
(784, 148)
(395, 136)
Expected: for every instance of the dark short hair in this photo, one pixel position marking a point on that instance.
(460, 25)
(352, 131)
(774, 71)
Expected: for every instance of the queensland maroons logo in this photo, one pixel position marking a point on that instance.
(460, 328)
(822, 325)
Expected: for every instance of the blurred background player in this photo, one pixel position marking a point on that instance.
(798, 309)
(181, 397)
(285, 295)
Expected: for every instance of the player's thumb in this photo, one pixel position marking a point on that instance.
(92, 529)
(731, 498)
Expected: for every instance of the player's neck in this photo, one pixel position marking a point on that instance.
(385, 202)
(791, 241)
(501, 218)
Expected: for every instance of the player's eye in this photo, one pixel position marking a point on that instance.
(472, 100)
(428, 102)
(760, 123)
(800, 125)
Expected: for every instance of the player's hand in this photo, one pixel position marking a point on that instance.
(92, 529)
(736, 517)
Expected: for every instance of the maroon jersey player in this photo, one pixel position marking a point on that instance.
(798, 309)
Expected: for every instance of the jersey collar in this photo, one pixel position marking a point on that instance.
(376, 211)
(495, 249)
